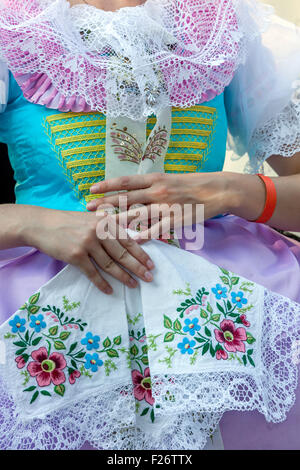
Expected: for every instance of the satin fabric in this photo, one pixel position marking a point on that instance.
(253, 250)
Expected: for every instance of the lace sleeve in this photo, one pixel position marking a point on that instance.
(263, 99)
(3, 86)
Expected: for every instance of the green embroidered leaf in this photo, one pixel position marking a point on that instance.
(36, 341)
(80, 355)
(238, 320)
(220, 308)
(34, 396)
(244, 359)
(235, 280)
(145, 360)
(33, 309)
(72, 347)
(25, 357)
(145, 411)
(207, 332)
(27, 335)
(209, 308)
(21, 344)
(225, 280)
(229, 306)
(29, 389)
(107, 342)
(169, 337)
(112, 353)
(65, 335)
(74, 364)
(212, 350)
(20, 352)
(60, 390)
(200, 340)
(23, 307)
(145, 349)
(250, 338)
(177, 325)
(34, 298)
(152, 416)
(203, 313)
(47, 394)
(216, 317)
(53, 331)
(251, 361)
(224, 271)
(205, 349)
(59, 345)
(250, 352)
(118, 340)
(167, 322)
(134, 350)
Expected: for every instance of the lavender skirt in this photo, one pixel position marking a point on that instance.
(252, 250)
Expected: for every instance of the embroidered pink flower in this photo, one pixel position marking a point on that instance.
(231, 337)
(221, 354)
(75, 375)
(244, 320)
(20, 362)
(191, 309)
(142, 386)
(47, 369)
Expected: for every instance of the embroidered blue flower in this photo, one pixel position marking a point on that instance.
(17, 324)
(191, 326)
(220, 291)
(187, 346)
(37, 322)
(93, 362)
(90, 341)
(238, 299)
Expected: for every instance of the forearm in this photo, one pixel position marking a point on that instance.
(17, 222)
(246, 198)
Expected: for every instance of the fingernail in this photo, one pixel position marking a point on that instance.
(91, 205)
(132, 283)
(150, 264)
(148, 276)
(93, 189)
(108, 290)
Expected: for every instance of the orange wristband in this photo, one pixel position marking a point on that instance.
(271, 200)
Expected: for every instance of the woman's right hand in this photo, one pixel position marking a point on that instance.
(71, 237)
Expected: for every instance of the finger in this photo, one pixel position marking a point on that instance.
(119, 251)
(87, 267)
(158, 230)
(123, 183)
(105, 261)
(135, 218)
(122, 200)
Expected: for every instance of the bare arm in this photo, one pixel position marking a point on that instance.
(250, 194)
(71, 237)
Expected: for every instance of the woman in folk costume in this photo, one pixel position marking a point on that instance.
(123, 345)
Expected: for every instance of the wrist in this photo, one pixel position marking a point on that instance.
(245, 195)
(29, 226)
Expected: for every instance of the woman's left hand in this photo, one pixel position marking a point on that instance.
(210, 189)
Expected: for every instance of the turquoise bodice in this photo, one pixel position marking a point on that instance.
(57, 156)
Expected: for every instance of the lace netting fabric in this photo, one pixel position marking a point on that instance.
(132, 62)
(107, 420)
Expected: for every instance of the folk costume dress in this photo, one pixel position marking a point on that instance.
(212, 343)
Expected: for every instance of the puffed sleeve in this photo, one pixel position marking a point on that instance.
(4, 79)
(263, 99)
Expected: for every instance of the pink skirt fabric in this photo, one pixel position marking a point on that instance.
(251, 250)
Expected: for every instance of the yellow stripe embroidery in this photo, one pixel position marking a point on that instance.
(181, 168)
(183, 156)
(80, 138)
(88, 161)
(91, 197)
(88, 174)
(61, 116)
(81, 150)
(188, 145)
(78, 125)
(198, 109)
